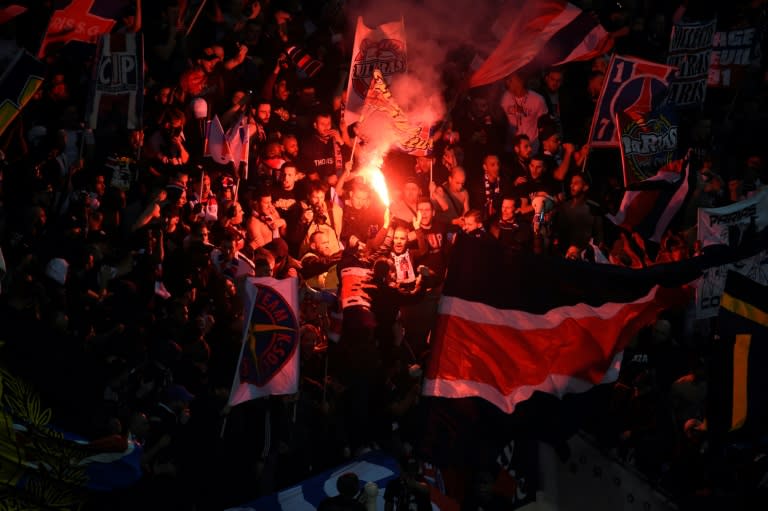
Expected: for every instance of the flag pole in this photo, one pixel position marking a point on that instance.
(197, 15)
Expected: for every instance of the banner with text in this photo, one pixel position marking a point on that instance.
(690, 47)
(733, 52)
(117, 88)
(269, 357)
(381, 48)
(648, 142)
(727, 225)
(81, 20)
(632, 86)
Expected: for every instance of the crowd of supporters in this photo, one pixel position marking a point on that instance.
(125, 252)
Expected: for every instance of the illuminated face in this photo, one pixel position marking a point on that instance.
(470, 223)
(317, 198)
(237, 97)
(265, 205)
(399, 241)
(359, 198)
(456, 181)
(182, 199)
(578, 186)
(491, 166)
(238, 218)
(411, 192)
(263, 112)
(425, 208)
(553, 80)
(515, 85)
(321, 245)
(206, 183)
(322, 125)
(282, 92)
(100, 186)
(289, 177)
(536, 168)
(524, 149)
(507, 210)
(552, 144)
(291, 147)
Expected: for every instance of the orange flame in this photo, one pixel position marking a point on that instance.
(379, 184)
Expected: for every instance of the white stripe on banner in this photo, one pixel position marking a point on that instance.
(555, 384)
(521, 320)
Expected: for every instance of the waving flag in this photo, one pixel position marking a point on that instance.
(216, 143)
(380, 105)
(509, 328)
(632, 86)
(738, 380)
(648, 142)
(269, 358)
(649, 208)
(547, 32)
(81, 20)
(41, 463)
(381, 48)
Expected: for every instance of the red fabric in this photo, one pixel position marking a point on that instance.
(506, 363)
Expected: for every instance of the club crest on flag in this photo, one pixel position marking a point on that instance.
(272, 337)
(648, 143)
(387, 55)
(632, 86)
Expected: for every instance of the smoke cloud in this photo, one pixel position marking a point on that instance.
(441, 38)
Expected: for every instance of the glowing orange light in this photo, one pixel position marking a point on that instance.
(379, 185)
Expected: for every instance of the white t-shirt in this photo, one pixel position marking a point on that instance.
(523, 115)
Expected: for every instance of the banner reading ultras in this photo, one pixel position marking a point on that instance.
(382, 48)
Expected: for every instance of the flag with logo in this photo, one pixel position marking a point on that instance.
(737, 395)
(383, 119)
(381, 48)
(117, 86)
(730, 225)
(18, 83)
(650, 206)
(507, 328)
(269, 358)
(632, 86)
(374, 467)
(648, 142)
(81, 20)
(545, 33)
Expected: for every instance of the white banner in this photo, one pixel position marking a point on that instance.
(269, 358)
(727, 225)
(382, 48)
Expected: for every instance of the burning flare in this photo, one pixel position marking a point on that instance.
(379, 184)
